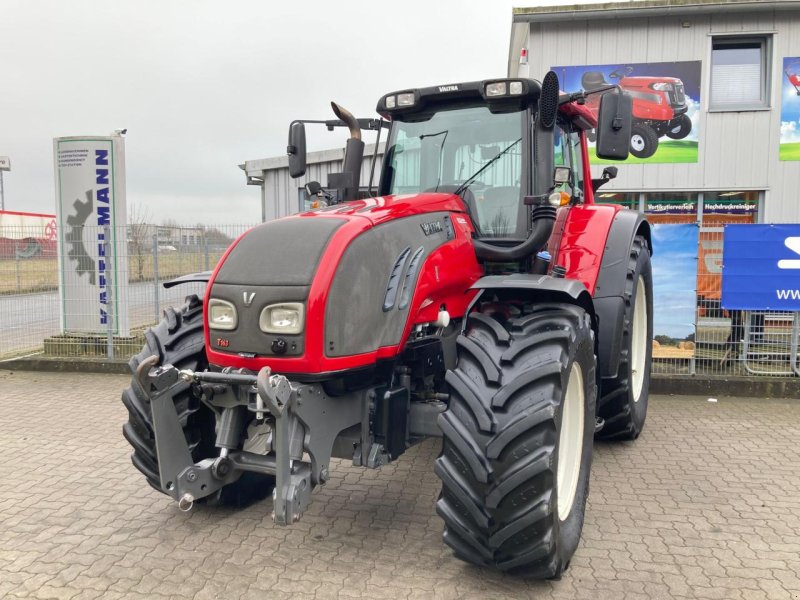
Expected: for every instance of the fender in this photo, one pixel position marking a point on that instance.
(609, 301)
(541, 287)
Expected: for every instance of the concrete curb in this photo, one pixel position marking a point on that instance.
(743, 387)
(67, 365)
(686, 385)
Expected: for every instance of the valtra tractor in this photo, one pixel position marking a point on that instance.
(480, 296)
(659, 107)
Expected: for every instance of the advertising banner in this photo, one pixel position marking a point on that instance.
(761, 267)
(91, 214)
(674, 299)
(666, 105)
(790, 112)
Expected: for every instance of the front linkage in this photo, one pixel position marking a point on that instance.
(287, 414)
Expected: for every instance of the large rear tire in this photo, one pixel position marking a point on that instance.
(623, 399)
(517, 440)
(178, 340)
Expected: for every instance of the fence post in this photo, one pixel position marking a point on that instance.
(110, 315)
(205, 237)
(156, 302)
(16, 256)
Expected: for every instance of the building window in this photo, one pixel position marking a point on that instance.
(740, 73)
(626, 199)
(671, 207)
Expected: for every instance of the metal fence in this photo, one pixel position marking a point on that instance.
(34, 287)
(724, 343)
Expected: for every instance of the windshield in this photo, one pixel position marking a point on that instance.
(469, 151)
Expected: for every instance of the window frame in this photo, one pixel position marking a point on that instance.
(766, 46)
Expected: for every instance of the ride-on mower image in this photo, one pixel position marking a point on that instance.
(428, 309)
(659, 107)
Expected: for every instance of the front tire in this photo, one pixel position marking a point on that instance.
(644, 141)
(517, 440)
(623, 399)
(178, 340)
(680, 127)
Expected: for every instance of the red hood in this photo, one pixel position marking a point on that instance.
(386, 208)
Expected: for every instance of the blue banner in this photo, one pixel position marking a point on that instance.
(761, 267)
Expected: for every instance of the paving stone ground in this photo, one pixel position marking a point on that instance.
(706, 504)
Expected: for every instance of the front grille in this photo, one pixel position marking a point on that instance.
(677, 96)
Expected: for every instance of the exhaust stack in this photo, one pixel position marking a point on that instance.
(347, 181)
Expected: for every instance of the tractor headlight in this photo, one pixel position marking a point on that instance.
(221, 315)
(661, 86)
(287, 317)
(406, 99)
(498, 88)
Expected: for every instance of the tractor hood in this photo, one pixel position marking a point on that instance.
(357, 272)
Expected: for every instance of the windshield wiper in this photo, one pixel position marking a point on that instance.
(469, 181)
(444, 132)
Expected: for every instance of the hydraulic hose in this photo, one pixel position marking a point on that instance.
(543, 218)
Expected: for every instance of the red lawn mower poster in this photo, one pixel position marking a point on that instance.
(666, 105)
(790, 113)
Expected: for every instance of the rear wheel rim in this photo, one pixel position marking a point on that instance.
(637, 142)
(570, 442)
(639, 340)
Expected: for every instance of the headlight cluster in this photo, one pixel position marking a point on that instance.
(222, 315)
(286, 318)
(661, 86)
(404, 99)
(503, 88)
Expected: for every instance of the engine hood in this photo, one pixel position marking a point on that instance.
(338, 261)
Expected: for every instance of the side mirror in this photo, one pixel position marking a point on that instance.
(313, 188)
(297, 149)
(609, 173)
(614, 122)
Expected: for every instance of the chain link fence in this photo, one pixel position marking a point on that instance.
(34, 287)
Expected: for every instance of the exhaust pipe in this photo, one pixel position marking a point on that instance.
(345, 115)
(353, 155)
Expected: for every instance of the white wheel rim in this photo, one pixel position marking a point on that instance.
(639, 340)
(637, 142)
(676, 129)
(570, 443)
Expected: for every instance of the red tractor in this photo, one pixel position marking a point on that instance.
(480, 296)
(659, 107)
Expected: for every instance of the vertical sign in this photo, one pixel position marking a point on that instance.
(90, 203)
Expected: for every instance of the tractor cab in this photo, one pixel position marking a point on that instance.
(495, 144)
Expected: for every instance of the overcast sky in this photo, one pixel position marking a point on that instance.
(203, 85)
